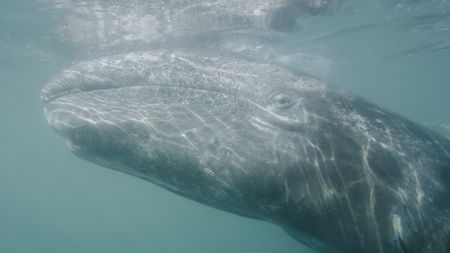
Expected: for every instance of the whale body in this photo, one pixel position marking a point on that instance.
(338, 173)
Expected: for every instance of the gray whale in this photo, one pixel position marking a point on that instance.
(337, 172)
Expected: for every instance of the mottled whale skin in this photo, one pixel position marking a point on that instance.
(337, 172)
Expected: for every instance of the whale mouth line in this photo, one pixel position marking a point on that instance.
(47, 96)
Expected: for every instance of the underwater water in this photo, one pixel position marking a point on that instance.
(394, 53)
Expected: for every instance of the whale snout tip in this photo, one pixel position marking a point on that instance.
(50, 92)
(67, 82)
(45, 93)
(44, 97)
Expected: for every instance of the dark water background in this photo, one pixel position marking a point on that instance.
(50, 201)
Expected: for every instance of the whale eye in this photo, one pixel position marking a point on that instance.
(282, 101)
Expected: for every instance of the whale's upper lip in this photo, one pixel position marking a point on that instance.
(74, 81)
(121, 71)
(71, 83)
(114, 72)
(149, 68)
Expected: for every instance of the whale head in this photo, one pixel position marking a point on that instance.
(212, 128)
(260, 141)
